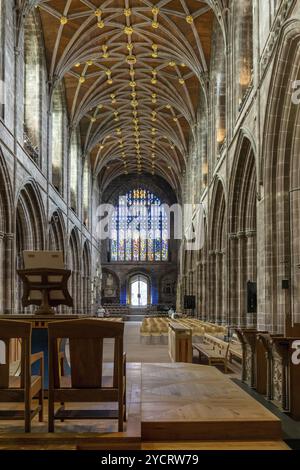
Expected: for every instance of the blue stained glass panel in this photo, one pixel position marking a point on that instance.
(139, 228)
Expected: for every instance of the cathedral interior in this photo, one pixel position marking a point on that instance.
(153, 146)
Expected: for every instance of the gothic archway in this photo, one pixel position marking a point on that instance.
(74, 265)
(282, 193)
(217, 286)
(6, 240)
(242, 234)
(30, 228)
(57, 232)
(87, 280)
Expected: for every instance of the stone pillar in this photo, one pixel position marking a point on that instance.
(219, 286)
(212, 285)
(9, 267)
(251, 269)
(2, 272)
(251, 255)
(199, 304)
(232, 272)
(204, 291)
(242, 281)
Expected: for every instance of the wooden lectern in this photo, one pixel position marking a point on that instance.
(180, 343)
(45, 281)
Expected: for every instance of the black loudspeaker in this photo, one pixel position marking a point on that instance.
(285, 284)
(108, 257)
(251, 297)
(189, 302)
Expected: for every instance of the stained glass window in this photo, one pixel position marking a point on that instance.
(139, 229)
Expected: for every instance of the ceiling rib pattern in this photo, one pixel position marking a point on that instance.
(133, 72)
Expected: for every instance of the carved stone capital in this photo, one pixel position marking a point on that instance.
(9, 236)
(232, 236)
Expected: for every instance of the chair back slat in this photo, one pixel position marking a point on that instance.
(15, 329)
(86, 337)
(86, 357)
(4, 368)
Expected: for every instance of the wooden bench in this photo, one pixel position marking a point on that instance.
(214, 349)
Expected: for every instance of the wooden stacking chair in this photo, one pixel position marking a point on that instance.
(87, 382)
(25, 387)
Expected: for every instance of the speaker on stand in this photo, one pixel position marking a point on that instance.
(251, 297)
(189, 303)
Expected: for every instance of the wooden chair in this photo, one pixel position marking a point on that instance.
(25, 387)
(87, 383)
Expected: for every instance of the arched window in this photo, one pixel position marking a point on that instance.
(218, 92)
(58, 123)
(243, 46)
(86, 193)
(32, 88)
(139, 228)
(74, 161)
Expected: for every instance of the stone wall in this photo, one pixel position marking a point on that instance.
(252, 197)
(34, 215)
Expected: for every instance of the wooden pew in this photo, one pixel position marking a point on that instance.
(215, 350)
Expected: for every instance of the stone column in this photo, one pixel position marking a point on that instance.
(212, 286)
(2, 272)
(232, 294)
(242, 281)
(199, 304)
(219, 287)
(251, 255)
(204, 291)
(9, 267)
(251, 269)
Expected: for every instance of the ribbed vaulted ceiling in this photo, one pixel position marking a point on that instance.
(132, 71)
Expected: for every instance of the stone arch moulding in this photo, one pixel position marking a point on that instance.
(86, 277)
(288, 42)
(57, 231)
(280, 166)
(31, 213)
(217, 253)
(6, 240)
(6, 198)
(242, 226)
(74, 264)
(246, 133)
(30, 229)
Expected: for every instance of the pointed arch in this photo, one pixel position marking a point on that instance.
(87, 279)
(6, 239)
(280, 169)
(242, 242)
(57, 232)
(30, 227)
(75, 266)
(217, 262)
(33, 76)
